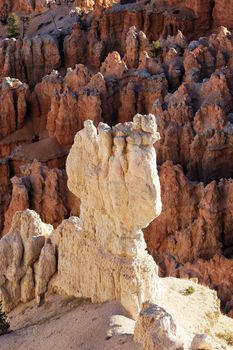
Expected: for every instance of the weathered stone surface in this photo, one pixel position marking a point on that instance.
(222, 13)
(5, 189)
(29, 59)
(194, 128)
(109, 231)
(194, 230)
(14, 98)
(191, 80)
(43, 190)
(156, 330)
(20, 250)
(113, 66)
(202, 342)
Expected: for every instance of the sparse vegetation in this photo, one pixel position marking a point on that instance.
(156, 48)
(188, 291)
(227, 336)
(4, 323)
(13, 26)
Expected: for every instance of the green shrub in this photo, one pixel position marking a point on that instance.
(13, 26)
(156, 48)
(188, 291)
(4, 323)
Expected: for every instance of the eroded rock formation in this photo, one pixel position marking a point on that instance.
(14, 98)
(5, 190)
(109, 231)
(193, 231)
(109, 70)
(29, 59)
(156, 329)
(41, 189)
(27, 260)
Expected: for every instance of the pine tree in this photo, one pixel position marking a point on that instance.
(4, 323)
(13, 25)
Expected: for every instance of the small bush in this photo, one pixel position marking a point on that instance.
(13, 26)
(156, 48)
(188, 291)
(4, 324)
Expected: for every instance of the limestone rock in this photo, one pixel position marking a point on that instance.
(20, 250)
(113, 66)
(193, 231)
(156, 330)
(202, 342)
(41, 189)
(14, 98)
(29, 59)
(5, 189)
(68, 112)
(195, 145)
(47, 266)
(222, 13)
(27, 286)
(109, 231)
(74, 46)
(136, 41)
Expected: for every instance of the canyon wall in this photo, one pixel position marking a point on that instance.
(106, 66)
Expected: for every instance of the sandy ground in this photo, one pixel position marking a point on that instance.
(196, 313)
(66, 324)
(75, 324)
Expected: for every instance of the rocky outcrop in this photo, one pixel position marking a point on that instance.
(109, 232)
(29, 60)
(202, 341)
(25, 6)
(189, 225)
(113, 66)
(195, 131)
(14, 98)
(116, 72)
(90, 42)
(78, 102)
(27, 260)
(156, 330)
(41, 189)
(5, 189)
(222, 13)
(193, 231)
(209, 272)
(115, 95)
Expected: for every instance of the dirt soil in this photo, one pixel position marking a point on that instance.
(66, 324)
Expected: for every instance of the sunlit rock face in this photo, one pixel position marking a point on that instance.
(102, 256)
(27, 260)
